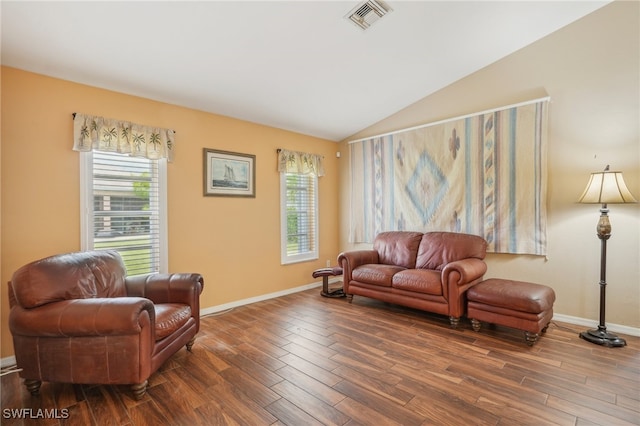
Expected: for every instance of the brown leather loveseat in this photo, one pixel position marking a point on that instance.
(430, 271)
(77, 318)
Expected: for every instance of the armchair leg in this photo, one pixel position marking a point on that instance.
(139, 389)
(190, 343)
(33, 386)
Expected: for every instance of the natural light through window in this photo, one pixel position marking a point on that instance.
(124, 208)
(299, 216)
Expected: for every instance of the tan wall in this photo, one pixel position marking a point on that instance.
(233, 242)
(590, 69)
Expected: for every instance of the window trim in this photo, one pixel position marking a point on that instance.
(86, 208)
(314, 254)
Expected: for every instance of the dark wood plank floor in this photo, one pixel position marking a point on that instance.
(307, 360)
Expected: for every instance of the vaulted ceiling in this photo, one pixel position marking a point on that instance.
(296, 65)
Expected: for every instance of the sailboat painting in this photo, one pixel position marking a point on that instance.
(229, 173)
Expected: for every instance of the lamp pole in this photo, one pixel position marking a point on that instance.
(601, 336)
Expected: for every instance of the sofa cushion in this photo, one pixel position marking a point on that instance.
(376, 274)
(398, 248)
(439, 248)
(80, 275)
(419, 281)
(170, 317)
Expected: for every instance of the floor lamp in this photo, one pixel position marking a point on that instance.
(604, 188)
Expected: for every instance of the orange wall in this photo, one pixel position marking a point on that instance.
(233, 242)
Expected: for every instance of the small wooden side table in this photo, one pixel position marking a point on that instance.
(325, 273)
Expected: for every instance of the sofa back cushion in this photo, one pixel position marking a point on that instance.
(439, 248)
(80, 275)
(398, 248)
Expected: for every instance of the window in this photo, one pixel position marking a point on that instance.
(299, 216)
(123, 202)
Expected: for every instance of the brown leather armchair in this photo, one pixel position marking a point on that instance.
(77, 318)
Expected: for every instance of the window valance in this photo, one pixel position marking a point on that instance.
(300, 162)
(105, 134)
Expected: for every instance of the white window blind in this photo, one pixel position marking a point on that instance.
(299, 215)
(124, 205)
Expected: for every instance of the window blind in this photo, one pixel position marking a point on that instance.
(301, 217)
(126, 209)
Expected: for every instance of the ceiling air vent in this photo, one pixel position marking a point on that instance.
(365, 14)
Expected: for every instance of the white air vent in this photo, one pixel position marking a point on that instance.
(365, 14)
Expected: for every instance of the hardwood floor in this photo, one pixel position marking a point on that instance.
(307, 360)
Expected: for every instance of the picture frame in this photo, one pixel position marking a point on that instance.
(229, 174)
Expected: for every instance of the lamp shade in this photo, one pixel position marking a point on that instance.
(606, 188)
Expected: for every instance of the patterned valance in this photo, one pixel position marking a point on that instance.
(300, 162)
(105, 134)
(482, 174)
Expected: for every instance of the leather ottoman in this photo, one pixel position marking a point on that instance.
(517, 304)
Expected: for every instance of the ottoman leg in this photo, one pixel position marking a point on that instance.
(544, 330)
(475, 324)
(530, 338)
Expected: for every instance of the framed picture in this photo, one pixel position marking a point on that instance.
(229, 174)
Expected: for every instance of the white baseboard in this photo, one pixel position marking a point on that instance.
(7, 362)
(589, 324)
(616, 328)
(235, 304)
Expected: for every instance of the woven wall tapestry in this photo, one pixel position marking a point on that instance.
(483, 174)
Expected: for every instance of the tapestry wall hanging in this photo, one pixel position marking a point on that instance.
(482, 174)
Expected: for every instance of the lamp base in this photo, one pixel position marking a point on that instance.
(603, 337)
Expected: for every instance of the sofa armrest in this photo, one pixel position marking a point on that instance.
(352, 259)
(467, 270)
(457, 278)
(84, 317)
(168, 288)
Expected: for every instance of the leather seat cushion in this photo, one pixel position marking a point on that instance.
(515, 295)
(376, 274)
(419, 281)
(170, 317)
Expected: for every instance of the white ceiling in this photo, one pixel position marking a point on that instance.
(295, 65)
